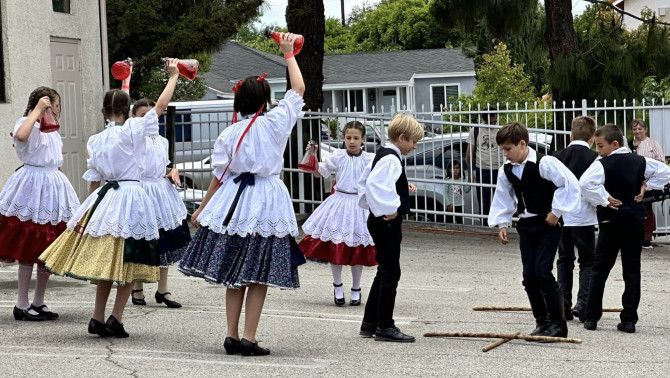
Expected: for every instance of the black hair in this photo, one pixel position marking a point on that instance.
(116, 103)
(37, 94)
(611, 133)
(145, 102)
(450, 168)
(355, 125)
(252, 95)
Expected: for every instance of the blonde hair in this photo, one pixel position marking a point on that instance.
(405, 124)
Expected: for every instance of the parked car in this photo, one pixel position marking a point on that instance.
(196, 174)
(192, 199)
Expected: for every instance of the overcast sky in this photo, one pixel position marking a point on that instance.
(274, 10)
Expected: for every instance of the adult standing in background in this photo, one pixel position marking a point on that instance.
(488, 158)
(650, 148)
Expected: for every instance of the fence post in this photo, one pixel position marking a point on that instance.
(301, 176)
(170, 132)
(584, 105)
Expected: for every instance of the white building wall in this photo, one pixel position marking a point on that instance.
(635, 7)
(27, 28)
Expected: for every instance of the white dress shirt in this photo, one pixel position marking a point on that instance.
(585, 214)
(376, 188)
(656, 174)
(504, 199)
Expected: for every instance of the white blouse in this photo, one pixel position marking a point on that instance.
(157, 157)
(119, 152)
(41, 149)
(347, 168)
(262, 151)
(376, 188)
(566, 197)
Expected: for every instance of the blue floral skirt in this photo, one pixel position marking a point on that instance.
(235, 261)
(173, 243)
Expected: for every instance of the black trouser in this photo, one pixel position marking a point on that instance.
(538, 242)
(381, 301)
(627, 236)
(455, 218)
(584, 239)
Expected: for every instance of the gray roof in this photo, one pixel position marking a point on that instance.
(236, 61)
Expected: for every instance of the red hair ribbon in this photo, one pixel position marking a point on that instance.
(237, 86)
(261, 78)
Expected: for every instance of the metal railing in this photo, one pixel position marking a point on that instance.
(445, 142)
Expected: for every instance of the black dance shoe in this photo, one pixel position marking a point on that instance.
(356, 302)
(97, 328)
(247, 348)
(160, 298)
(591, 325)
(338, 301)
(232, 346)
(540, 327)
(136, 301)
(392, 334)
(25, 315)
(556, 329)
(580, 311)
(116, 327)
(367, 329)
(50, 315)
(627, 327)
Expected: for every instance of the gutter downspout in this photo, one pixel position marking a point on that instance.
(104, 48)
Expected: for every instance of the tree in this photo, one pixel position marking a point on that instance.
(499, 80)
(401, 25)
(147, 30)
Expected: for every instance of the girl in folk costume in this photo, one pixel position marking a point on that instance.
(113, 237)
(36, 202)
(169, 207)
(247, 224)
(337, 231)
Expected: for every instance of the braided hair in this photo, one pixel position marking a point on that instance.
(116, 103)
(37, 94)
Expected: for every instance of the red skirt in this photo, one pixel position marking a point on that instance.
(339, 254)
(25, 241)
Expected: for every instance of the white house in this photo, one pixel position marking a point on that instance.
(420, 80)
(54, 43)
(661, 7)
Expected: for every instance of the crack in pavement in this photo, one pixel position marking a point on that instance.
(132, 372)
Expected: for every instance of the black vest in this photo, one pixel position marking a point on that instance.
(401, 185)
(533, 193)
(577, 158)
(624, 175)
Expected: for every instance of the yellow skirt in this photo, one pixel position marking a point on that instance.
(95, 258)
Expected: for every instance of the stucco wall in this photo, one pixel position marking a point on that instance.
(423, 91)
(27, 30)
(636, 6)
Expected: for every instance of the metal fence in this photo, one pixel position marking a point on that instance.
(428, 167)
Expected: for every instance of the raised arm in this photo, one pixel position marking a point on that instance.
(26, 127)
(286, 47)
(165, 97)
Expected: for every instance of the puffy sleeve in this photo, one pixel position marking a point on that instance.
(34, 139)
(221, 154)
(592, 185)
(503, 206)
(284, 116)
(136, 129)
(92, 173)
(330, 164)
(567, 186)
(376, 188)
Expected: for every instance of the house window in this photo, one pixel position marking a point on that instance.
(2, 64)
(356, 100)
(389, 92)
(441, 94)
(279, 95)
(61, 6)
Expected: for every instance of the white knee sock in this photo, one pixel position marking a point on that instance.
(337, 280)
(41, 287)
(25, 273)
(356, 272)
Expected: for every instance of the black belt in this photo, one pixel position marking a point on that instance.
(244, 179)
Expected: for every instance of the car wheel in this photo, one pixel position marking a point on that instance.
(187, 182)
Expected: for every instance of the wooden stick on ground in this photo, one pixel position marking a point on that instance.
(504, 336)
(497, 343)
(515, 308)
